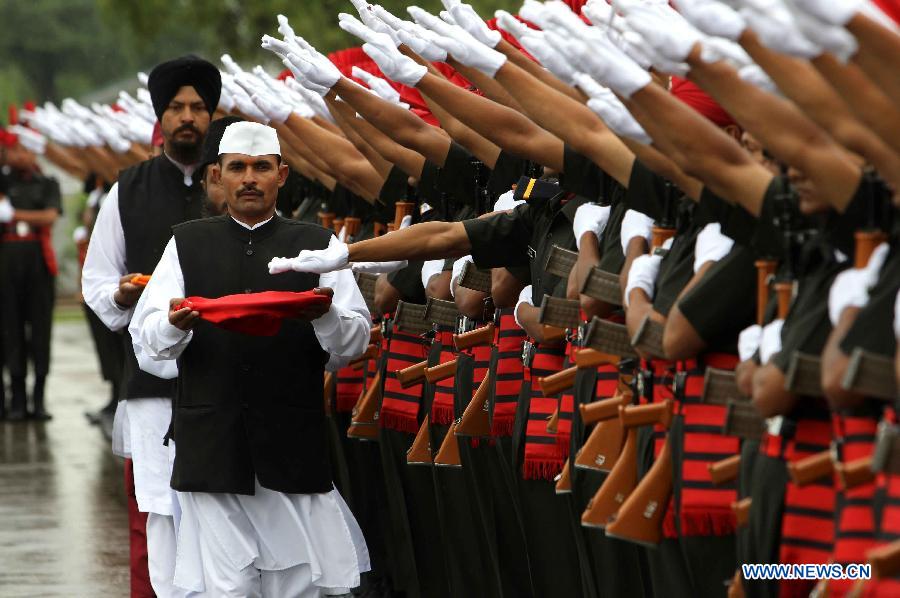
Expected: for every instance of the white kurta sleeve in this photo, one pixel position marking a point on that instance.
(150, 330)
(105, 264)
(343, 331)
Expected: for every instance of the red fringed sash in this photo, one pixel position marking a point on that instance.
(543, 455)
(399, 406)
(509, 373)
(442, 405)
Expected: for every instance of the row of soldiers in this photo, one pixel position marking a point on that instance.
(639, 331)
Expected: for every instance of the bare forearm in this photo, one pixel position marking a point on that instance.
(425, 241)
(835, 363)
(475, 144)
(37, 217)
(489, 87)
(539, 72)
(878, 51)
(769, 396)
(347, 122)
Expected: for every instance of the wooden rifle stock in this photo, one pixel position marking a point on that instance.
(602, 449)
(885, 560)
(634, 416)
(564, 480)
(474, 338)
(553, 335)
(326, 219)
(556, 383)
(448, 454)
(615, 488)
(553, 422)
(391, 227)
(855, 473)
(639, 519)
(370, 352)
(785, 292)
(602, 410)
(378, 229)
(809, 469)
(441, 371)
(337, 224)
(741, 510)
(364, 420)
(351, 227)
(660, 235)
(866, 242)
(328, 387)
(588, 358)
(420, 451)
(736, 587)
(475, 420)
(725, 470)
(412, 375)
(401, 209)
(376, 335)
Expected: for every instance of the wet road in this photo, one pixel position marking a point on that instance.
(63, 521)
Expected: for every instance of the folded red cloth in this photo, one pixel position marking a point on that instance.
(259, 314)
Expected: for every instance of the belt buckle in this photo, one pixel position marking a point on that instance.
(22, 229)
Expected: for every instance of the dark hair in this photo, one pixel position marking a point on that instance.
(277, 159)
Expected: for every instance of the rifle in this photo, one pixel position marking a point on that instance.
(351, 228)
(603, 286)
(376, 335)
(725, 470)
(474, 338)
(328, 391)
(441, 371)
(414, 374)
(742, 420)
(719, 387)
(420, 451)
(446, 314)
(410, 318)
(871, 375)
(401, 209)
(564, 480)
(364, 420)
(639, 519)
(370, 352)
(665, 228)
(649, 338)
(878, 215)
(621, 484)
(608, 337)
(603, 447)
(560, 261)
(337, 224)
(366, 283)
(326, 219)
(475, 279)
(475, 420)
(804, 376)
(741, 510)
(448, 454)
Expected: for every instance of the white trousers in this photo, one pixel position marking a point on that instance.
(161, 555)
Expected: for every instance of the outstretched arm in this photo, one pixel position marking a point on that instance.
(877, 55)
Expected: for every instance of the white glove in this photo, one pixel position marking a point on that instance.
(748, 341)
(231, 66)
(847, 290)
(507, 201)
(835, 12)
(777, 29)
(320, 261)
(589, 217)
(535, 12)
(7, 212)
(429, 269)
(635, 224)
(422, 42)
(832, 38)
(383, 51)
(458, 266)
(465, 17)
(524, 299)
(711, 245)
(313, 99)
(371, 20)
(80, 234)
(610, 66)
(30, 139)
(379, 86)
(642, 275)
(460, 44)
(274, 109)
(713, 18)
(378, 267)
(718, 48)
(754, 75)
(770, 343)
(611, 110)
(663, 29)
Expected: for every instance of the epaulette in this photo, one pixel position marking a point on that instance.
(530, 190)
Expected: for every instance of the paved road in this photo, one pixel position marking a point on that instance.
(63, 522)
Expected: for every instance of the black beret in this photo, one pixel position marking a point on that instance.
(214, 138)
(167, 78)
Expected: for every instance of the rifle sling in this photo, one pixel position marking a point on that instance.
(559, 312)
(560, 261)
(603, 286)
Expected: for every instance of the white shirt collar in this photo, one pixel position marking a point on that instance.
(186, 169)
(255, 226)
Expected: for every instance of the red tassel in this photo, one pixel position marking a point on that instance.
(442, 414)
(400, 422)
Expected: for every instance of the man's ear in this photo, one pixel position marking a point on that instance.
(216, 173)
(283, 171)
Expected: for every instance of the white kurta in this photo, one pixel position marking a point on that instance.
(270, 530)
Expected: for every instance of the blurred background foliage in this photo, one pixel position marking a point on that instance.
(90, 49)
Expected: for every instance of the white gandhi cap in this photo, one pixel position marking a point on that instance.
(250, 139)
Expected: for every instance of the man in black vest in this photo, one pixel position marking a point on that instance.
(260, 515)
(131, 230)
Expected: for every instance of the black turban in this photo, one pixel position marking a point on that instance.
(167, 78)
(214, 137)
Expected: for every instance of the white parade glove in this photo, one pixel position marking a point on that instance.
(770, 343)
(507, 201)
(754, 75)
(384, 52)
(711, 245)
(80, 234)
(611, 110)
(422, 42)
(611, 67)
(524, 299)
(748, 341)
(429, 269)
(231, 66)
(313, 99)
(226, 101)
(642, 275)
(849, 289)
(458, 266)
(143, 78)
(243, 102)
(7, 212)
(319, 261)
(465, 17)
(664, 30)
(776, 28)
(635, 224)
(712, 17)
(536, 13)
(371, 20)
(718, 48)
(833, 38)
(274, 109)
(378, 267)
(459, 44)
(317, 69)
(876, 261)
(589, 217)
(378, 85)
(30, 139)
(835, 12)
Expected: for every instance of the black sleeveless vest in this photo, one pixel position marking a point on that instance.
(152, 199)
(249, 405)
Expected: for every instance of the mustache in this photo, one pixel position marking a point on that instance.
(250, 190)
(190, 128)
